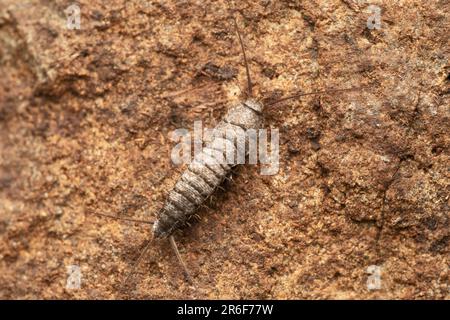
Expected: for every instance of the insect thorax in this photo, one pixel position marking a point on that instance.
(247, 114)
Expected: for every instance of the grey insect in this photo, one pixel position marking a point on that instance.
(208, 169)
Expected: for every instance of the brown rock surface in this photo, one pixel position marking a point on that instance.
(85, 122)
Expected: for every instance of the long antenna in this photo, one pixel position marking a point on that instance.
(138, 261)
(180, 260)
(121, 218)
(247, 69)
(147, 246)
(311, 93)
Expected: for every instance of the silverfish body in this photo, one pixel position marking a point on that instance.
(208, 169)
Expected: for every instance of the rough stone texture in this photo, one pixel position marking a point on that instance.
(85, 121)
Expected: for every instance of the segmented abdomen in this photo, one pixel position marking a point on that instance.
(208, 169)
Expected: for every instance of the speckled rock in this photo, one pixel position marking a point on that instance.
(359, 208)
